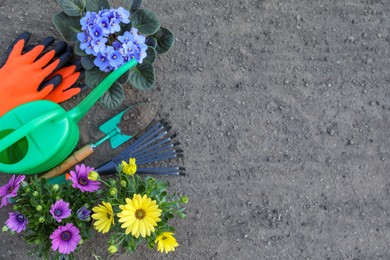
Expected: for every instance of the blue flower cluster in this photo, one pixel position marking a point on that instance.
(99, 38)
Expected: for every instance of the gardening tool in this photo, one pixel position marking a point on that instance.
(112, 132)
(38, 135)
(152, 146)
(31, 74)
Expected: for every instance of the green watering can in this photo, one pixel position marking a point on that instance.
(36, 136)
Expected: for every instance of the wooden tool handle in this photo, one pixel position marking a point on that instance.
(72, 160)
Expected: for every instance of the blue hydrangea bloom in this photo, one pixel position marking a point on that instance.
(100, 37)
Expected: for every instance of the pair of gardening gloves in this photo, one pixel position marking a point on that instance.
(32, 72)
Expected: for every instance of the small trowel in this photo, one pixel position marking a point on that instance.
(119, 129)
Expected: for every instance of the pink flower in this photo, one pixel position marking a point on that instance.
(10, 189)
(80, 179)
(65, 238)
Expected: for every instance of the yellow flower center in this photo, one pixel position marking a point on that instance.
(140, 213)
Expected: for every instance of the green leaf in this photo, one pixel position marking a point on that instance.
(87, 62)
(165, 40)
(123, 79)
(146, 21)
(151, 55)
(67, 26)
(113, 97)
(79, 51)
(132, 5)
(73, 7)
(142, 77)
(93, 77)
(150, 41)
(97, 5)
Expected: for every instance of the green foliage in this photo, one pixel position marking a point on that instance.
(113, 97)
(159, 40)
(142, 77)
(73, 7)
(146, 21)
(129, 185)
(38, 193)
(79, 51)
(97, 5)
(93, 77)
(87, 62)
(151, 41)
(165, 40)
(67, 26)
(152, 55)
(132, 5)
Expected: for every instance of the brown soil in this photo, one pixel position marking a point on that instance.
(283, 111)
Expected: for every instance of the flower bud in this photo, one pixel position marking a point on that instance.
(37, 241)
(15, 207)
(113, 191)
(27, 190)
(123, 183)
(56, 187)
(112, 249)
(184, 199)
(39, 208)
(58, 197)
(35, 193)
(93, 176)
(5, 228)
(41, 219)
(81, 241)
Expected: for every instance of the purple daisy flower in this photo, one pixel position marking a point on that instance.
(10, 189)
(80, 179)
(65, 238)
(16, 222)
(60, 210)
(83, 213)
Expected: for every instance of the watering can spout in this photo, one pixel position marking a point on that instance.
(79, 111)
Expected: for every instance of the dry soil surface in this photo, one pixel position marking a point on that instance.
(283, 111)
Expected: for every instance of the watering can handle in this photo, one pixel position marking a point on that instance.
(81, 109)
(21, 132)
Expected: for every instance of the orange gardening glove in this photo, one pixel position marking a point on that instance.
(66, 89)
(29, 72)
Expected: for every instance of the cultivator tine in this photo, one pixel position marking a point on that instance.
(152, 146)
(167, 170)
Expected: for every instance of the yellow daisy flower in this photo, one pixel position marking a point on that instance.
(139, 216)
(104, 217)
(129, 168)
(166, 242)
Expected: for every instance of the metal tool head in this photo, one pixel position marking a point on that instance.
(128, 123)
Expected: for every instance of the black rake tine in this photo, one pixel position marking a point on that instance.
(147, 138)
(148, 149)
(167, 173)
(158, 159)
(155, 154)
(148, 142)
(160, 169)
(124, 153)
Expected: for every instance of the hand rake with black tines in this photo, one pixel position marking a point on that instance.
(153, 146)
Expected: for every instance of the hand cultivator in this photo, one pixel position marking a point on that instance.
(153, 146)
(112, 132)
